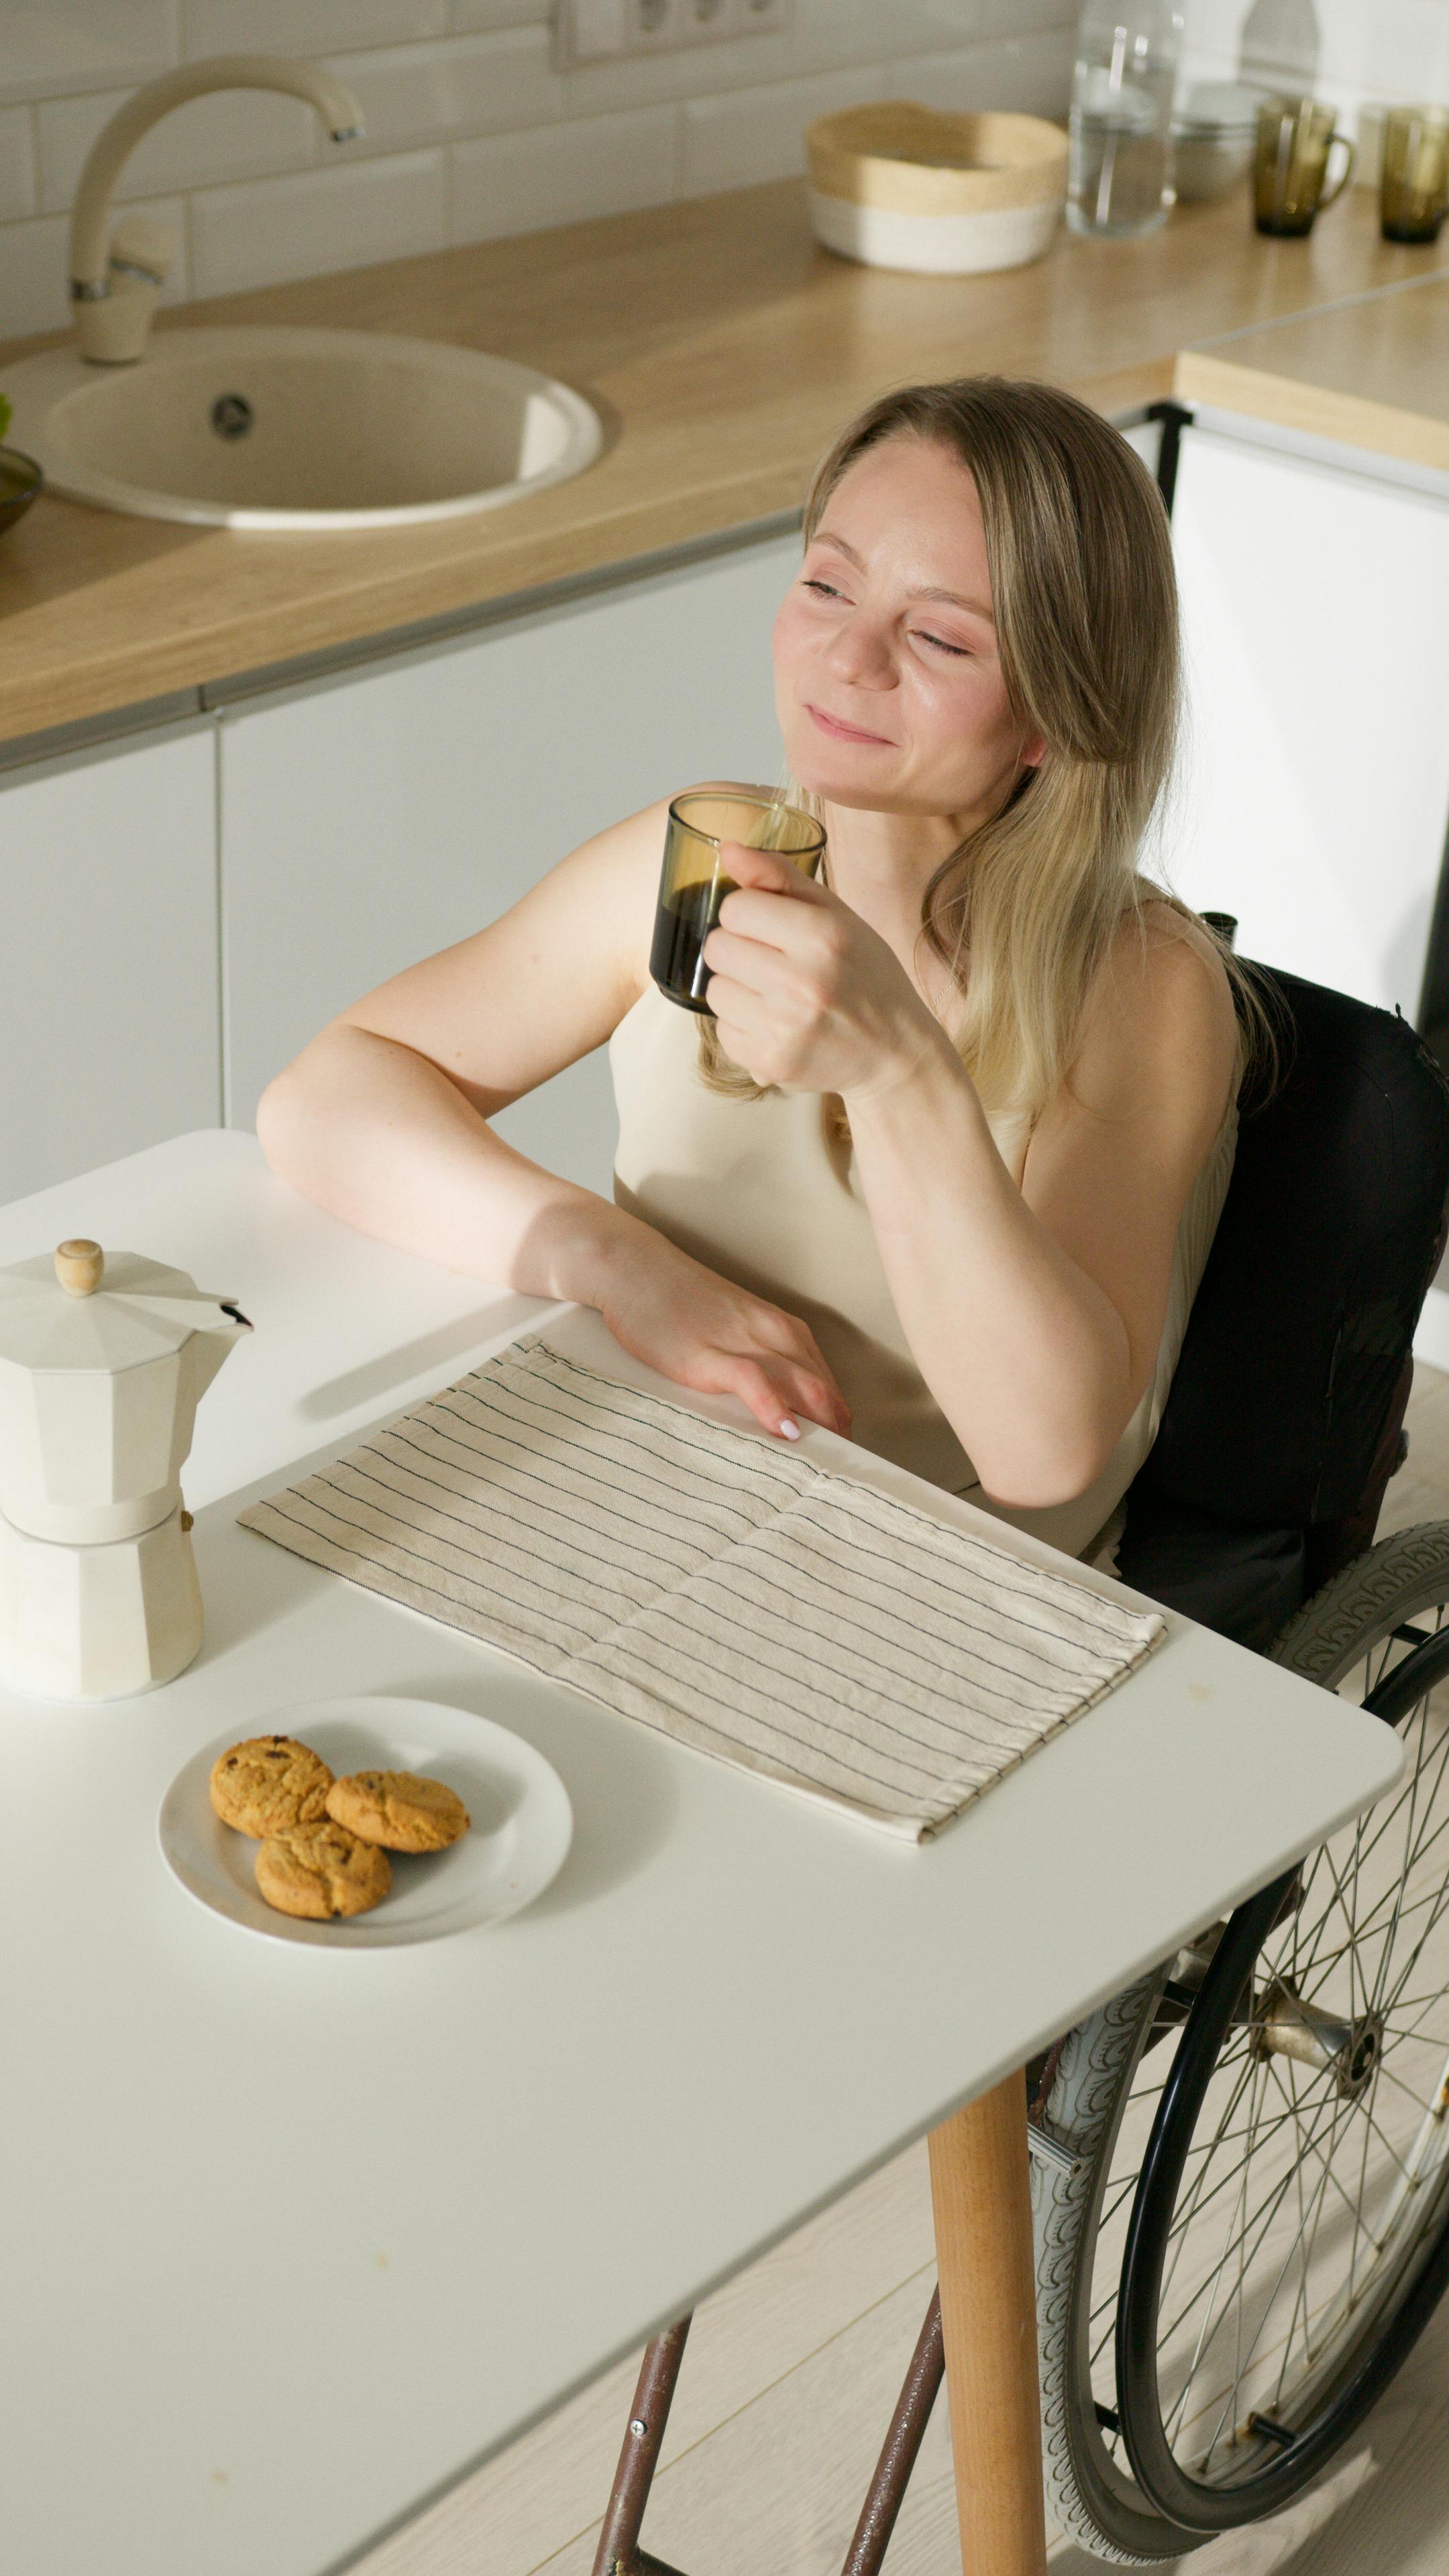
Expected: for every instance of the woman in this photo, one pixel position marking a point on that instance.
(945, 1168)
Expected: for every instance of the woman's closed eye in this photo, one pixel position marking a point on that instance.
(827, 590)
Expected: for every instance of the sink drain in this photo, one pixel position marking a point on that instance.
(231, 415)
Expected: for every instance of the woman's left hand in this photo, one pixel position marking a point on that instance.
(806, 996)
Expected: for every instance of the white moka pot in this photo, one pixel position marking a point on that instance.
(103, 1359)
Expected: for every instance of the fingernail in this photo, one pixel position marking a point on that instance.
(789, 1428)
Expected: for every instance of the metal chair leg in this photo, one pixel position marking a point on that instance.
(887, 2491)
(619, 2553)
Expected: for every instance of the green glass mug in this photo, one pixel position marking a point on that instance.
(1414, 181)
(1296, 137)
(693, 885)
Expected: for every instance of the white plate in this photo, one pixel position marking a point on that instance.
(522, 1822)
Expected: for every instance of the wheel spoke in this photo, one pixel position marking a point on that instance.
(1261, 2220)
(1180, 2227)
(1266, 2210)
(1441, 1904)
(1306, 2188)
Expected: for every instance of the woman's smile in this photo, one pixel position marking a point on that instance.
(846, 732)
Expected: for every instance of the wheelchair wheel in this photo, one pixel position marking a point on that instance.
(1242, 2177)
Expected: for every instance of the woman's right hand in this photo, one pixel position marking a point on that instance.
(703, 1332)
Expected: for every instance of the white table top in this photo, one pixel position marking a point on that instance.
(295, 2238)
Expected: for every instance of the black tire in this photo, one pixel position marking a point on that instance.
(1114, 2480)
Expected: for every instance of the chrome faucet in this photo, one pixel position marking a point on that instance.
(114, 289)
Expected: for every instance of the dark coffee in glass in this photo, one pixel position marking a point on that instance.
(693, 885)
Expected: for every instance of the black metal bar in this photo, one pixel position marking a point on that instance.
(1225, 924)
(1432, 1017)
(619, 2553)
(1175, 418)
(887, 2491)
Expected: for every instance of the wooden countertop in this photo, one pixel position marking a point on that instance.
(723, 349)
(1374, 372)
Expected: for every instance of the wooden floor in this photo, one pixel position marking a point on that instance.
(792, 2370)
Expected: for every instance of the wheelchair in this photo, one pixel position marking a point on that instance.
(1240, 2166)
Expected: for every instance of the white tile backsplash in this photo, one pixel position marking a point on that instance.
(697, 69)
(306, 26)
(1032, 74)
(1359, 54)
(466, 17)
(48, 47)
(414, 94)
(471, 132)
(272, 229)
(829, 33)
(760, 133)
(234, 134)
(1401, 55)
(17, 164)
(1027, 18)
(594, 165)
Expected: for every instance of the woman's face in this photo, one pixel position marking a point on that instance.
(887, 682)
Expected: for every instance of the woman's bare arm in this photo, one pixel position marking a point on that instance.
(1035, 1313)
(383, 1121)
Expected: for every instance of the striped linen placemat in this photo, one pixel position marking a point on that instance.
(737, 1597)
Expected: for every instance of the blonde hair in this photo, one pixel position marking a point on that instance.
(1025, 909)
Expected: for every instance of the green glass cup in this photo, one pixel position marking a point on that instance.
(1414, 180)
(693, 885)
(1291, 186)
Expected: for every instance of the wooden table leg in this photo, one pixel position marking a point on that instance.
(981, 2196)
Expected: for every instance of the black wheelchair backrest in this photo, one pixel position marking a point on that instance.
(1330, 1232)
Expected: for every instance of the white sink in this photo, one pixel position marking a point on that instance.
(298, 429)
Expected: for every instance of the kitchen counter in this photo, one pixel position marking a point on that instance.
(1373, 372)
(723, 349)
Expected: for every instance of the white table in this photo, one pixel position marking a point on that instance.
(295, 2238)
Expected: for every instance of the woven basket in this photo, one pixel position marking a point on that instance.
(899, 185)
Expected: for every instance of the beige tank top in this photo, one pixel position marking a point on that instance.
(757, 1190)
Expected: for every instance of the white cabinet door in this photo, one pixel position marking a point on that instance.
(1316, 778)
(370, 822)
(109, 1035)
(1146, 437)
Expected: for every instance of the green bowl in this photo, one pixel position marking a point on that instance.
(20, 480)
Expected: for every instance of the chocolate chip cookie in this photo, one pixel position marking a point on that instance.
(398, 1810)
(319, 1870)
(268, 1784)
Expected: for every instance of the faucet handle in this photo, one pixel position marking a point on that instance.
(112, 328)
(143, 249)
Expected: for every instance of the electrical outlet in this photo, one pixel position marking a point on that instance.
(592, 31)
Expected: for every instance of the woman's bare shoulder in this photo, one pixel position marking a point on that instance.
(1160, 1037)
(1187, 980)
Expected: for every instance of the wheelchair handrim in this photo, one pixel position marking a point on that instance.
(1267, 2453)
